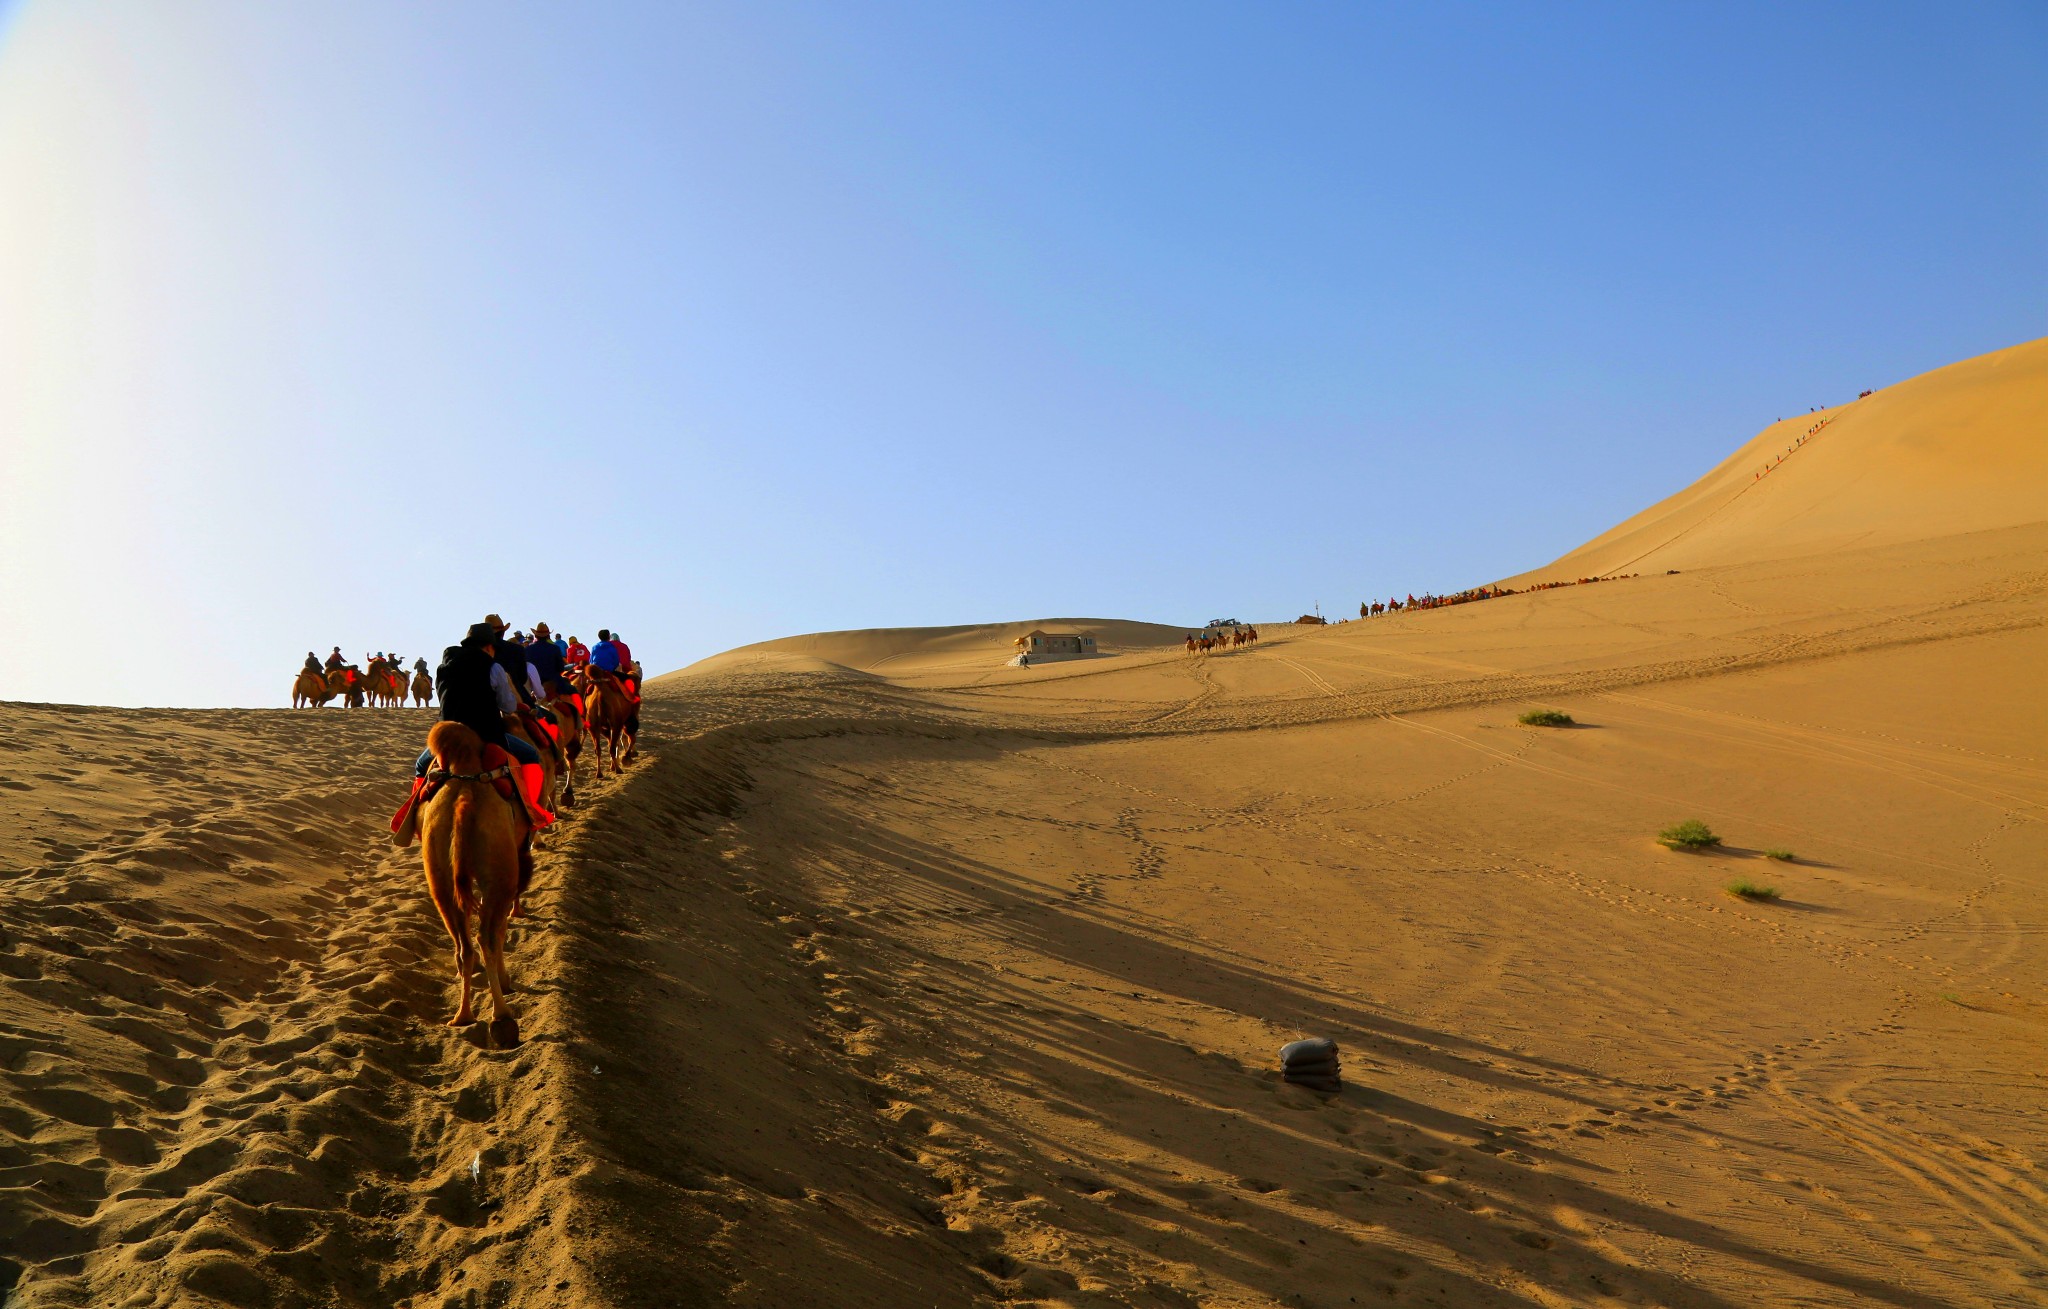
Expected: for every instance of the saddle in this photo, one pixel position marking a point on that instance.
(499, 769)
(537, 721)
(627, 684)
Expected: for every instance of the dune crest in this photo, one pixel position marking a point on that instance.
(904, 651)
(1959, 449)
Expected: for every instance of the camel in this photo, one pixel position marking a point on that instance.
(422, 690)
(469, 841)
(612, 716)
(338, 684)
(552, 764)
(385, 686)
(571, 719)
(309, 690)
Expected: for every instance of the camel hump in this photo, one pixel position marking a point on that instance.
(456, 748)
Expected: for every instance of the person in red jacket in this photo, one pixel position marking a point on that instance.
(578, 653)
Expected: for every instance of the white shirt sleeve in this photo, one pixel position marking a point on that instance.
(533, 683)
(501, 685)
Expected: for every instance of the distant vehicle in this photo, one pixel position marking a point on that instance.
(1224, 622)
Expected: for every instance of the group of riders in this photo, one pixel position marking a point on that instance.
(1212, 639)
(385, 683)
(515, 712)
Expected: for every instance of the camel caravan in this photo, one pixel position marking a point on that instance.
(1220, 636)
(516, 713)
(1375, 608)
(382, 685)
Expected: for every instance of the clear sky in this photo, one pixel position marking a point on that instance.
(345, 323)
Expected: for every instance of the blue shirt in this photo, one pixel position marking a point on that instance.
(605, 655)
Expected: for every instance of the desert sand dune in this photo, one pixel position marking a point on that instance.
(893, 976)
(1956, 450)
(905, 652)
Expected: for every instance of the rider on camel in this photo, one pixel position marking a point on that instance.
(511, 657)
(613, 657)
(313, 663)
(545, 660)
(476, 692)
(578, 654)
(335, 660)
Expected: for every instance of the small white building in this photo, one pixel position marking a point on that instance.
(1041, 644)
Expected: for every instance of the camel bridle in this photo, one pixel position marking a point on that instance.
(500, 773)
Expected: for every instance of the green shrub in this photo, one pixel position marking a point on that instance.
(1546, 718)
(1782, 856)
(1692, 834)
(1748, 890)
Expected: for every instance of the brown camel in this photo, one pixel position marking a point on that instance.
(573, 731)
(611, 714)
(309, 690)
(422, 690)
(385, 685)
(552, 763)
(469, 841)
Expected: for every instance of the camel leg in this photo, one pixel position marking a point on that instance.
(449, 901)
(441, 886)
(504, 1027)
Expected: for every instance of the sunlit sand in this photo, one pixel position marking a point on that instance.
(895, 975)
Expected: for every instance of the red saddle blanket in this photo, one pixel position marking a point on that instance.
(423, 788)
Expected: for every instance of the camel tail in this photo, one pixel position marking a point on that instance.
(464, 857)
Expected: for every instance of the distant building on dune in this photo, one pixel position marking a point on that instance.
(1041, 644)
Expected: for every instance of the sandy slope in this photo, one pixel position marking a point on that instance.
(1960, 449)
(905, 654)
(895, 977)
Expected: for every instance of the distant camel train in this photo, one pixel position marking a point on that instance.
(1213, 641)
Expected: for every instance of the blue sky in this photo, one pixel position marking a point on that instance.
(714, 323)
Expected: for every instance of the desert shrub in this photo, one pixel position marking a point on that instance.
(1692, 834)
(1748, 890)
(1546, 718)
(1782, 856)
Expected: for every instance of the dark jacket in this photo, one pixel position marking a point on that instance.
(547, 662)
(463, 681)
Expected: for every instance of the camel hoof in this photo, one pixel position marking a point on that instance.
(505, 1032)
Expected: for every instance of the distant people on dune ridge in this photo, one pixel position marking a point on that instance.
(1395, 605)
